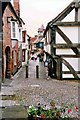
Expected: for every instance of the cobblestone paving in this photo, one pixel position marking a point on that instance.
(32, 91)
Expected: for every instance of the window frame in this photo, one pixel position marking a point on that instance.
(14, 30)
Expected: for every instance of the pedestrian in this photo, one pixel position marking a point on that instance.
(32, 56)
(35, 57)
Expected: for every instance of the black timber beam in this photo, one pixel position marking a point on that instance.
(71, 69)
(70, 56)
(67, 23)
(63, 14)
(67, 40)
(66, 46)
(69, 72)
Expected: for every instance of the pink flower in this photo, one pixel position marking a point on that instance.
(69, 110)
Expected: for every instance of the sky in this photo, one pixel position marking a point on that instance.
(37, 12)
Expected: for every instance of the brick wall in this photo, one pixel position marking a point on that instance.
(7, 41)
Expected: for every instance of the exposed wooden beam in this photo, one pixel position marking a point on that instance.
(71, 69)
(67, 23)
(67, 40)
(66, 46)
(69, 72)
(63, 14)
(70, 56)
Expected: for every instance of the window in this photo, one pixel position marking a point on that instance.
(13, 30)
(24, 36)
(23, 55)
(19, 34)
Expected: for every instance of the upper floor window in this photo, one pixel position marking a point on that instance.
(13, 30)
(24, 36)
(19, 34)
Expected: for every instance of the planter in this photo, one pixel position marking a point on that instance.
(51, 113)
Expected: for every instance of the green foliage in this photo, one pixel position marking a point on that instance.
(32, 111)
(62, 112)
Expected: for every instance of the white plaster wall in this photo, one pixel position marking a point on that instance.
(78, 34)
(70, 16)
(44, 48)
(73, 62)
(71, 32)
(67, 76)
(59, 39)
(47, 48)
(79, 64)
(64, 68)
(79, 75)
(79, 14)
(64, 52)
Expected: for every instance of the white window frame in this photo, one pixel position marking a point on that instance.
(15, 30)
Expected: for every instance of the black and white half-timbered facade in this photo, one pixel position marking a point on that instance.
(62, 42)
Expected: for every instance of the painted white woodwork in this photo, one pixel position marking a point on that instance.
(64, 52)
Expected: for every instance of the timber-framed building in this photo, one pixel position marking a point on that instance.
(62, 42)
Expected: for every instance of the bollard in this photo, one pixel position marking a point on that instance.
(26, 71)
(37, 71)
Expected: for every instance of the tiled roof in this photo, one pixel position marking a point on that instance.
(33, 39)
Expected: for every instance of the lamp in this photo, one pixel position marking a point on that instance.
(9, 19)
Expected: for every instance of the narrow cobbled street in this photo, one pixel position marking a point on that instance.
(32, 90)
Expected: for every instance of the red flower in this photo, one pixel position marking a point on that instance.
(69, 110)
(76, 107)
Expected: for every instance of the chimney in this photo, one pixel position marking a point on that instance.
(16, 6)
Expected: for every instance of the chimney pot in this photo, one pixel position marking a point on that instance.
(16, 6)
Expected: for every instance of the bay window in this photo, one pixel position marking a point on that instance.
(14, 30)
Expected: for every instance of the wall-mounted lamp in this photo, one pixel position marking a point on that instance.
(9, 19)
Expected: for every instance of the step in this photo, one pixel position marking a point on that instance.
(14, 112)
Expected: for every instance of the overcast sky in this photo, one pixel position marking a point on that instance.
(38, 12)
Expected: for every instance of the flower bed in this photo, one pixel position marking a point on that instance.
(52, 112)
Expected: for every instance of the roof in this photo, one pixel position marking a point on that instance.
(33, 39)
(63, 14)
(4, 5)
(41, 29)
(76, 0)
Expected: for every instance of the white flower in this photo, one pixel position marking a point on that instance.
(30, 106)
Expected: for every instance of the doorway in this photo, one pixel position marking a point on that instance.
(7, 67)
